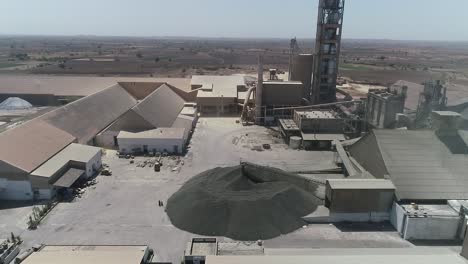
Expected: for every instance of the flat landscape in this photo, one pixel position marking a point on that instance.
(369, 61)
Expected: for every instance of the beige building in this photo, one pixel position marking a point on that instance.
(90, 255)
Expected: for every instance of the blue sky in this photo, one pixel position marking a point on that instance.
(371, 19)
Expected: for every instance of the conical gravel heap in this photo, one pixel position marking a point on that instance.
(15, 103)
(245, 202)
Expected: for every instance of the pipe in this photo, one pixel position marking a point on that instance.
(315, 106)
(348, 97)
(246, 102)
(259, 91)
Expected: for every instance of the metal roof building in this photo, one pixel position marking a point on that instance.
(350, 256)
(89, 255)
(73, 152)
(75, 85)
(420, 164)
(88, 116)
(27, 146)
(160, 108)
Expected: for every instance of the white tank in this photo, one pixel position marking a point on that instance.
(295, 142)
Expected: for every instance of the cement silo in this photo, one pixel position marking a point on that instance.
(301, 70)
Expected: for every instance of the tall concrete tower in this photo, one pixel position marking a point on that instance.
(327, 50)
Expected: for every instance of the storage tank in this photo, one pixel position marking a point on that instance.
(295, 142)
(301, 71)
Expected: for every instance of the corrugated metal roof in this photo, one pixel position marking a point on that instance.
(183, 121)
(69, 178)
(347, 184)
(29, 145)
(75, 85)
(74, 152)
(419, 164)
(160, 108)
(86, 117)
(340, 256)
(160, 133)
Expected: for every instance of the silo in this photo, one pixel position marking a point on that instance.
(301, 70)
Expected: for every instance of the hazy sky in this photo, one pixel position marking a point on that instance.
(376, 19)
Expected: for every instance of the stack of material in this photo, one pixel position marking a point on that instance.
(246, 202)
(15, 103)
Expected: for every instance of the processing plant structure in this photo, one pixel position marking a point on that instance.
(295, 160)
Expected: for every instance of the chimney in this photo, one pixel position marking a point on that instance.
(446, 123)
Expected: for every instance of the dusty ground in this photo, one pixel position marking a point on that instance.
(373, 61)
(122, 208)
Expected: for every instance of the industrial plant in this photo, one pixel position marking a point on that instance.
(279, 167)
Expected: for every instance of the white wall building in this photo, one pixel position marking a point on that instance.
(170, 140)
(64, 169)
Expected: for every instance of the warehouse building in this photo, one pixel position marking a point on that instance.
(160, 108)
(317, 128)
(90, 255)
(427, 255)
(38, 158)
(428, 169)
(162, 140)
(218, 94)
(75, 162)
(24, 149)
(359, 200)
(421, 164)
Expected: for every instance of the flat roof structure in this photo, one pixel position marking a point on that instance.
(69, 178)
(322, 137)
(288, 124)
(160, 133)
(73, 152)
(349, 256)
(218, 86)
(421, 166)
(346, 184)
(88, 255)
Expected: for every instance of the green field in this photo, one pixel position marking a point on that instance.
(8, 64)
(355, 67)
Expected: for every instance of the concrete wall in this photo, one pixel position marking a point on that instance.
(397, 217)
(93, 165)
(424, 228)
(359, 200)
(15, 190)
(106, 139)
(128, 145)
(431, 228)
(282, 93)
(375, 217)
(45, 194)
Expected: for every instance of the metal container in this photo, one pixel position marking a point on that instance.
(157, 167)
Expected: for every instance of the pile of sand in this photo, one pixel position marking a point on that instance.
(245, 202)
(15, 103)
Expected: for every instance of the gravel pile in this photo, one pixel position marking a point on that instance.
(15, 103)
(245, 202)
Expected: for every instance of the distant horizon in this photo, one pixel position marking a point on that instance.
(220, 38)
